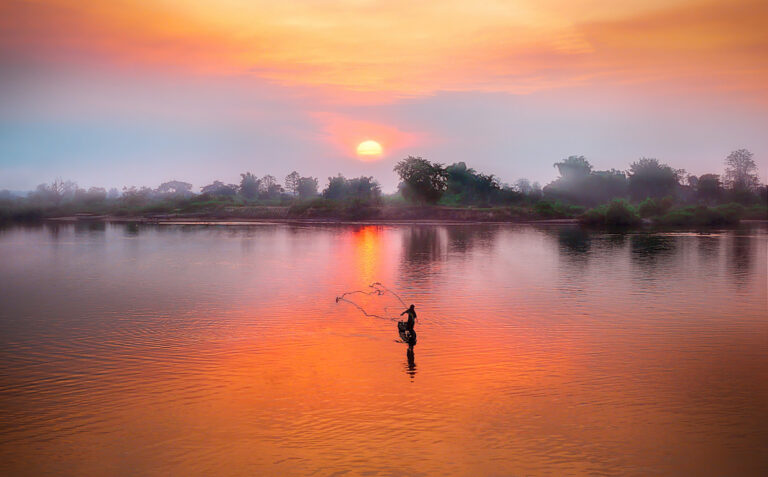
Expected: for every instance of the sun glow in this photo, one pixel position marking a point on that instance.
(369, 148)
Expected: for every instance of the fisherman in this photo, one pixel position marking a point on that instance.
(411, 319)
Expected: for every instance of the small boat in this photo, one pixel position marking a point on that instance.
(405, 335)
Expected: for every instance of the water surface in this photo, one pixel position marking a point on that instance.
(191, 350)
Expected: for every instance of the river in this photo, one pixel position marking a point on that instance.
(542, 350)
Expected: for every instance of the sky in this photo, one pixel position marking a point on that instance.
(124, 93)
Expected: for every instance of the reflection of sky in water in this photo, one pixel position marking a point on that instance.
(199, 350)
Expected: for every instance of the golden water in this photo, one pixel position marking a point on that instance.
(189, 350)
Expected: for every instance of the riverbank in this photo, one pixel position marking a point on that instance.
(210, 219)
(616, 213)
(332, 213)
(235, 221)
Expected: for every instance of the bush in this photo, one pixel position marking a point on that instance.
(732, 211)
(649, 208)
(703, 216)
(682, 216)
(594, 216)
(556, 210)
(617, 213)
(621, 213)
(756, 212)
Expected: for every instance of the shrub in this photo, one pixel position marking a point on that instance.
(683, 216)
(756, 212)
(556, 210)
(732, 211)
(594, 216)
(621, 213)
(617, 213)
(649, 208)
(703, 216)
(666, 203)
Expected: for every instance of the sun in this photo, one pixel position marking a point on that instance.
(369, 148)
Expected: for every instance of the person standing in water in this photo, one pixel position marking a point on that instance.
(411, 318)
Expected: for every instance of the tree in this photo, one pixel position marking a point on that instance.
(336, 188)
(48, 193)
(269, 188)
(175, 188)
(573, 166)
(709, 188)
(219, 189)
(650, 178)
(56, 192)
(523, 186)
(741, 171)
(536, 190)
(307, 187)
(249, 185)
(266, 182)
(579, 184)
(292, 182)
(362, 188)
(422, 181)
(68, 190)
(468, 186)
(133, 196)
(95, 195)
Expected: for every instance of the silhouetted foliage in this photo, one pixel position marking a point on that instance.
(709, 188)
(422, 181)
(617, 213)
(177, 188)
(578, 184)
(134, 196)
(573, 167)
(703, 216)
(556, 210)
(650, 178)
(306, 187)
(269, 188)
(292, 182)
(466, 186)
(361, 188)
(649, 208)
(219, 189)
(249, 186)
(741, 171)
(655, 188)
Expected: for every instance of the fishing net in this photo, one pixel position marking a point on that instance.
(377, 301)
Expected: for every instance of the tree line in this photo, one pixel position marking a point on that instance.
(651, 184)
(578, 183)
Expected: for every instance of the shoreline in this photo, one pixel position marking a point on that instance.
(252, 221)
(236, 221)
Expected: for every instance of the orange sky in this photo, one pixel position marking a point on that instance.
(334, 56)
(414, 48)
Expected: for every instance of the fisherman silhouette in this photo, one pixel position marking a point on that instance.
(406, 328)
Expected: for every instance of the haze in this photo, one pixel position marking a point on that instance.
(121, 93)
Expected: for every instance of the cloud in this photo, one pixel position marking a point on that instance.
(402, 49)
(126, 92)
